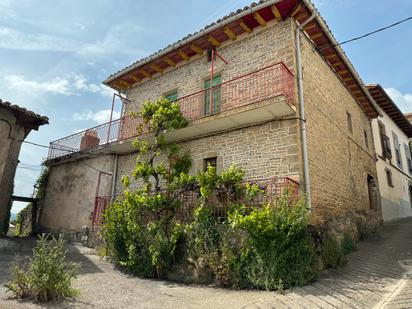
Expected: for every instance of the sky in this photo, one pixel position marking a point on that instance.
(55, 54)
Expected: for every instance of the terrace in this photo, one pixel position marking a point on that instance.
(258, 96)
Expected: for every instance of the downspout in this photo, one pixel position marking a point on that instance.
(114, 176)
(302, 117)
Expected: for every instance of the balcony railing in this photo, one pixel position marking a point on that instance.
(272, 190)
(254, 87)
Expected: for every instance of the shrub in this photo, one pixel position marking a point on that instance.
(348, 244)
(332, 254)
(49, 274)
(279, 253)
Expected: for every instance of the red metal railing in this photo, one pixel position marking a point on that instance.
(272, 187)
(100, 205)
(264, 84)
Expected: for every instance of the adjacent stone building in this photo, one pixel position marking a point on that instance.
(15, 124)
(392, 133)
(252, 118)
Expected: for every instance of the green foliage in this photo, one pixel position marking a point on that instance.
(21, 229)
(365, 231)
(265, 248)
(49, 274)
(348, 244)
(279, 253)
(332, 253)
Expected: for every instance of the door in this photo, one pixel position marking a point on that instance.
(213, 108)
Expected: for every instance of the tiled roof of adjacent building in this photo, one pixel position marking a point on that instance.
(27, 116)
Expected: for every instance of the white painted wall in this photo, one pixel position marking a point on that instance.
(396, 201)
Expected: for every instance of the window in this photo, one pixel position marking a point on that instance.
(171, 96)
(408, 157)
(365, 135)
(389, 177)
(214, 106)
(385, 142)
(349, 120)
(397, 147)
(209, 161)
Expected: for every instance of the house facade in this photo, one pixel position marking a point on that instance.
(15, 124)
(392, 134)
(237, 82)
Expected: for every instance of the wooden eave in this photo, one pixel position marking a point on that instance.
(281, 10)
(389, 107)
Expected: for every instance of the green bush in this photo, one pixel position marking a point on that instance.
(49, 273)
(332, 253)
(279, 253)
(348, 244)
(266, 248)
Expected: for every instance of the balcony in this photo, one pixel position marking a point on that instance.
(273, 188)
(258, 96)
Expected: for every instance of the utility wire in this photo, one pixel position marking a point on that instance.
(369, 33)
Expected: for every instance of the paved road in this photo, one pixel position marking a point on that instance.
(377, 276)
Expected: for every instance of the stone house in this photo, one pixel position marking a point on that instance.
(392, 133)
(259, 114)
(15, 124)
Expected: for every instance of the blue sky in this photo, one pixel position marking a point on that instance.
(55, 54)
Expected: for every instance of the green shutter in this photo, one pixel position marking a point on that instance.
(216, 96)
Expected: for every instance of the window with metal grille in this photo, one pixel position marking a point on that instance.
(209, 161)
(389, 177)
(213, 102)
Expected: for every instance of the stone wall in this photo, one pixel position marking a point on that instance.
(263, 151)
(11, 135)
(71, 191)
(340, 161)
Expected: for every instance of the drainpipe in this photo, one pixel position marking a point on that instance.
(114, 177)
(302, 117)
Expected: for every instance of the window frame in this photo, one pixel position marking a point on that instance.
(206, 162)
(216, 91)
(389, 178)
(169, 93)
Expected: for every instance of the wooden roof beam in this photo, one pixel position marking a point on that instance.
(213, 41)
(157, 68)
(145, 73)
(183, 55)
(169, 61)
(245, 27)
(310, 26)
(296, 10)
(135, 78)
(259, 19)
(124, 83)
(230, 33)
(276, 13)
(330, 56)
(316, 35)
(196, 49)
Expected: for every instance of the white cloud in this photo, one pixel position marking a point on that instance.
(14, 39)
(71, 85)
(403, 100)
(101, 116)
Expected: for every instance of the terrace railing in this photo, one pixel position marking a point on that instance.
(272, 190)
(257, 86)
